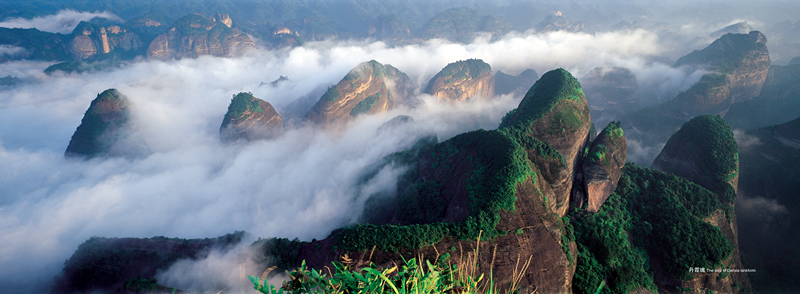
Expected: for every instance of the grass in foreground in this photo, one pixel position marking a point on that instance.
(414, 276)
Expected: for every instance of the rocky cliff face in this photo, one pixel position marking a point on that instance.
(102, 126)
(369, 88)
(250, 118)
(555, 111)
(462, 80)
(740, 63)
(90, 41)
(195, 35)
(602, 167)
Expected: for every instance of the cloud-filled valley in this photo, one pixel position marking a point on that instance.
(181, 181)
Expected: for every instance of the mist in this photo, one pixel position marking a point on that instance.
(62, 22)
(183, 182)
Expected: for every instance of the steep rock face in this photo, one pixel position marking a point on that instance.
(369, 88)
(740, 63)
(461, 80)
(90, 41)
(484, 183)
(602, 167)
(614, 91)
(102, 125)
(556, 22)
(777, 103)
(195, 35)
(555, 111)
(250, 118)
(469, 188)
(505, 83)
(461, 24)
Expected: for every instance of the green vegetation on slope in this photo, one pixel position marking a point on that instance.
(101, 264)
(553, 87)
(707, 83)
(241, 103)
(498, 165)
(462, 69)
(98, 127)
(710, 140)
(193, 24)
(651, 215)
(365, 105)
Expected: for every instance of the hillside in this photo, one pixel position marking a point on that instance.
(462, 80)
(369, 88)
(103, 125)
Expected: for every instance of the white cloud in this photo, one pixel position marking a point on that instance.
(189, 185)
(62, 22)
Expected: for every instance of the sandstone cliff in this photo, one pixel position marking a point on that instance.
(369, 88)
(555, 111)
(102, 126)
(90, 40)
(462, 80)
(195, 35)
(250, 118)
(739, 65)
(602, 167)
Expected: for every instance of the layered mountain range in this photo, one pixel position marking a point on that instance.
(540, 187)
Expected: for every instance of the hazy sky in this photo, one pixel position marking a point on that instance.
(185, 183)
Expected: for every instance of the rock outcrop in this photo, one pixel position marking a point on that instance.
(90, 40)
(369, 88)
(102, 126)
(195, 35)
(555, 111)
(462, 80)
(505, 83)
(250, 118)
(602, 167)
(739, 65)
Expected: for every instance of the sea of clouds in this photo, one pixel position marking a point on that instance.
(185, 183)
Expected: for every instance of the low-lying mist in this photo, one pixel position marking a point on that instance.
(184, 183)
